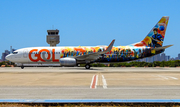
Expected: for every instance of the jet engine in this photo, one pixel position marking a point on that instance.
(67, 61)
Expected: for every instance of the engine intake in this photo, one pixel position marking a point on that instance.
(67, 61)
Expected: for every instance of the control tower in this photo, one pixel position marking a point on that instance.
(52, 38)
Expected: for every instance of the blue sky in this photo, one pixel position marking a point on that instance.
(24, 23)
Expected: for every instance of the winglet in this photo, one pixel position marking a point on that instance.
(110, 46)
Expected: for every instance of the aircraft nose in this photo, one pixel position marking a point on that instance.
(8, 57)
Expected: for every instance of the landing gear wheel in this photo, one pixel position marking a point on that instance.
(22, 67)
(87, 66)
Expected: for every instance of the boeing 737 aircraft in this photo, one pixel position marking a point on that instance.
(71, 56)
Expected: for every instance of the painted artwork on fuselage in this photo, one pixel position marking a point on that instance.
(117, 54)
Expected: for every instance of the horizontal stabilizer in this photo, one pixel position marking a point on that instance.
(160, 48)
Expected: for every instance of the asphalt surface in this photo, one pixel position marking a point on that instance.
(96, 83)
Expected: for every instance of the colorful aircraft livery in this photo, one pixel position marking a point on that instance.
(71, 56)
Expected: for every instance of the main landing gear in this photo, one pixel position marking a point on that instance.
(87, 66)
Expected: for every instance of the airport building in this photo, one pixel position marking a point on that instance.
(168, 58)
(178, 56)
(163, 56)
(158, 57)
(53, 37)
(6, 53)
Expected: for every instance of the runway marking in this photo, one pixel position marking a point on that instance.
(163, 77)
(167, 77)
(172, 77)
(104, 82)
(94, 82)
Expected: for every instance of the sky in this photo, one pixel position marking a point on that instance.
(24, 23)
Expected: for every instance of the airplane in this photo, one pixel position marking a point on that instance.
(72, 56)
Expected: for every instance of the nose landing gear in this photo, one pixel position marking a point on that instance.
(22, 67)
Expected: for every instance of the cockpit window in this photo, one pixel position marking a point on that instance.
(15, 52)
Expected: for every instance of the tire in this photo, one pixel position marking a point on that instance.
(87, 66)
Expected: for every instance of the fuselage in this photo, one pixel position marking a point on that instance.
(54, 54)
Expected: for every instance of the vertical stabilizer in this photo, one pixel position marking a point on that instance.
(156, 36)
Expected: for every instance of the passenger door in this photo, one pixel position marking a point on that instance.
(25, 53)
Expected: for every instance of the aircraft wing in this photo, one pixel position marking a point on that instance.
(94, 56)
(163, 47)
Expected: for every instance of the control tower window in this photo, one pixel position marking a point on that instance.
(56, 32)
(52, 33)
(49, 33)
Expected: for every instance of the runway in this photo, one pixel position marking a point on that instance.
(76, 83)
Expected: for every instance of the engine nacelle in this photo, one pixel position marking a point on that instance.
(67, 61)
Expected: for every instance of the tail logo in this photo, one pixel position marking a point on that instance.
(156, 36)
